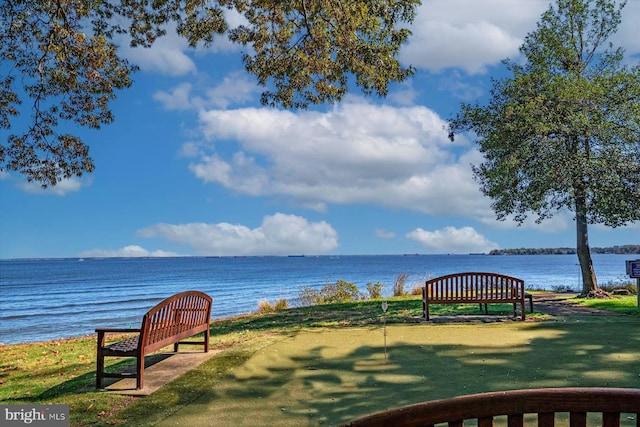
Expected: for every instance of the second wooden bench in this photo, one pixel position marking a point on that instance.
(475, 288)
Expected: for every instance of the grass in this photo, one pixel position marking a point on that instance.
(324, 364)
(327, 377)
(619, 304)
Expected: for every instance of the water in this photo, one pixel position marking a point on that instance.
(57, 298)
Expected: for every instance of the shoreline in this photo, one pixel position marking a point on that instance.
(544, 298)
(44, 301)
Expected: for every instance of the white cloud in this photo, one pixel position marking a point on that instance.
(473, 35)
(404, 95)
(452, 240)
(471, 47)
(627, 35)
(62, 188)
(237, 88)
(357, 153)
(166, 55)
(469, 35)
(385, 234)
(279, 234)
(178, 99)
(130, 251)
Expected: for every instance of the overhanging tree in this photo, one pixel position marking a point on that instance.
(563, 131)
(60, 61)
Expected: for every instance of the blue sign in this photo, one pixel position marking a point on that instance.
(633, 269)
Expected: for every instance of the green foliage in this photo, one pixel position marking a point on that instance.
(618, 249)
(375, 290)
(59, 61)
(66, 75)
(563, 132)
(627, 286)
(341, 291)
(308, 48)
(562, 288)
(308, 296)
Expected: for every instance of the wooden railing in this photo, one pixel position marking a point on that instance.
(607, 403)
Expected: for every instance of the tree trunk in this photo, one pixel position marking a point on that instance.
(589, 282)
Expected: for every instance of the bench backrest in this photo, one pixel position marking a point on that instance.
(546, 403)
(474, 285)
(179, 316)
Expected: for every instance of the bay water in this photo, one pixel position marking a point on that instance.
(45, 299)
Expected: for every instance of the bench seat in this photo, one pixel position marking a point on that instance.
(129, 345)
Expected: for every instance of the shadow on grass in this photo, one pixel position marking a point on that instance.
(332, 376)
(86, 383)
(357, 313)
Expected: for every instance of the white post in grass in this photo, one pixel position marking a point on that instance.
(385, 306)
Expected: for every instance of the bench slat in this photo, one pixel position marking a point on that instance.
(610, 419)
(546, 419)
(515, 420)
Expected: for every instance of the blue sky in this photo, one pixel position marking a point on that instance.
(193, 165)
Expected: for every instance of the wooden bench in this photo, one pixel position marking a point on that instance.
(607, 403)
(169, 322)
(475, 288)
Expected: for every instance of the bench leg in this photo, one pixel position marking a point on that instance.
(100, 360)
(99, 368)
(424, 304)
(140, 372)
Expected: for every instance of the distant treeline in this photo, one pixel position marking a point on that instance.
(622, 250)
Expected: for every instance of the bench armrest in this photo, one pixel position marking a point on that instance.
(132, 330)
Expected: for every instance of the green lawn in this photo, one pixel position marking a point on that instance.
(620, 304)
(326, 364)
